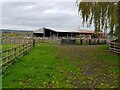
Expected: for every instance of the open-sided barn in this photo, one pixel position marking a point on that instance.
(48, 32)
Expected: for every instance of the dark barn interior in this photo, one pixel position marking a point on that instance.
(38, 34)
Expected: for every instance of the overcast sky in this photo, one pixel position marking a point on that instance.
(60, 15)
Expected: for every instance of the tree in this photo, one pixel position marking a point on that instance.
(104, 15)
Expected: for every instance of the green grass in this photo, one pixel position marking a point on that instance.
(64, 66)
(8, 46)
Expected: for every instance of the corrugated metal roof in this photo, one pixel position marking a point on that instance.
(58, 29)
(17, 27)
(72, 30)
(41, 30)
(85, 31)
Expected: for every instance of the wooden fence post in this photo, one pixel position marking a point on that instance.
(33, 42)
(15, 52)
(28, 46)
(81, 41)
(14, 40)
(105, 41)
(7, 55)
(98, 41)
(89, 41)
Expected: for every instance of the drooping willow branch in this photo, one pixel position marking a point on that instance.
(104, 15)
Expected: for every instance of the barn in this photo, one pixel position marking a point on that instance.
(48, 32)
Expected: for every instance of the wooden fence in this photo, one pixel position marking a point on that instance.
(11, 55)
(15, 40)
(114, 47)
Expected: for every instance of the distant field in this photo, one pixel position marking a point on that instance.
(64, 66)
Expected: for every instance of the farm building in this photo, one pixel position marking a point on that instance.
(47, 32)
(16, 31)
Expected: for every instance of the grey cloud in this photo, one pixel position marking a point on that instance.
(41, 14)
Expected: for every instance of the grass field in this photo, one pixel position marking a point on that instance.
(64, 66)
(4, 47)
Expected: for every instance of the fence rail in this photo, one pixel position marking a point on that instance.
(10, 55)
(114, 47)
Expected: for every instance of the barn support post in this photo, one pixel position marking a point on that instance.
(81, 41)
(33, 42)
(50, 34)
(89, 41)
(57, 34)
(98, 41)
(71, 35)
(43, 33)
(67, 35)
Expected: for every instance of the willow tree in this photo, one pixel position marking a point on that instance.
(104, 15)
